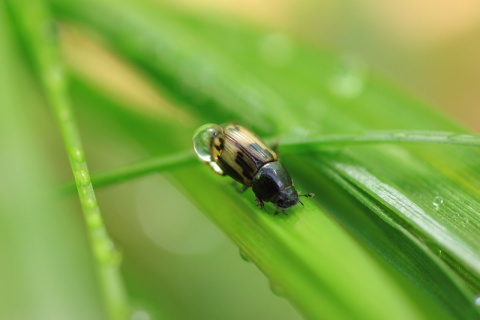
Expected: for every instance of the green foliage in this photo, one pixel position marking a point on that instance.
(393, 230)
(43, 47)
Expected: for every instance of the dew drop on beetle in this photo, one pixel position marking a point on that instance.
(202, 144)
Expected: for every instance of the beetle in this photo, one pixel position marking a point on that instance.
(233, 150)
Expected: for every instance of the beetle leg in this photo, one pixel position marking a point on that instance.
(260, 203)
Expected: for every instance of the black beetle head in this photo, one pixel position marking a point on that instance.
(286, 198)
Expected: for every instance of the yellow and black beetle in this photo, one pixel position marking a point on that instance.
(232, 150)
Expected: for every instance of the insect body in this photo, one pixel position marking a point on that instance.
(232, 150)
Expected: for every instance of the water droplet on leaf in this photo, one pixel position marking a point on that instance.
(109, 254)
(78, 155)
(477, 300)
(94, 220)
(83, 178)
(437, 202)
(349, 80)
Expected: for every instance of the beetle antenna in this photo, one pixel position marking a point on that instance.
(307, 195)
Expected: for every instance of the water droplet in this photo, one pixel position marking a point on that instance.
(277, 289)
(276, 49)
(244, 256)
(82, 177)
(78, 155)
(457, 136)
(439, 253)
(399, 135)
(202, 144)
(109, 254)
(299, 132)
(90, 203)
(437, 202)
(94, 220)
(140, 314)
(86, 192)
(349, 80)
(464, 221)
(477, 300)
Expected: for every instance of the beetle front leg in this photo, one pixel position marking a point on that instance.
(260, 203)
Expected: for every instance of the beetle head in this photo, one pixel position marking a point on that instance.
(286, 198)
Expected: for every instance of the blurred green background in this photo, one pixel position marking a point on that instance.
(429, 48)
(176, 264)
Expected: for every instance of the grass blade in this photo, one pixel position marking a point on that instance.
(29, 17)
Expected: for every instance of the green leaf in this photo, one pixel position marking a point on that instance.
(393, 230)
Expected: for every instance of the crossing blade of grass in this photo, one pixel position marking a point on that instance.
(289, 145)
(429, 194)
(38, 32)
(140, 168)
